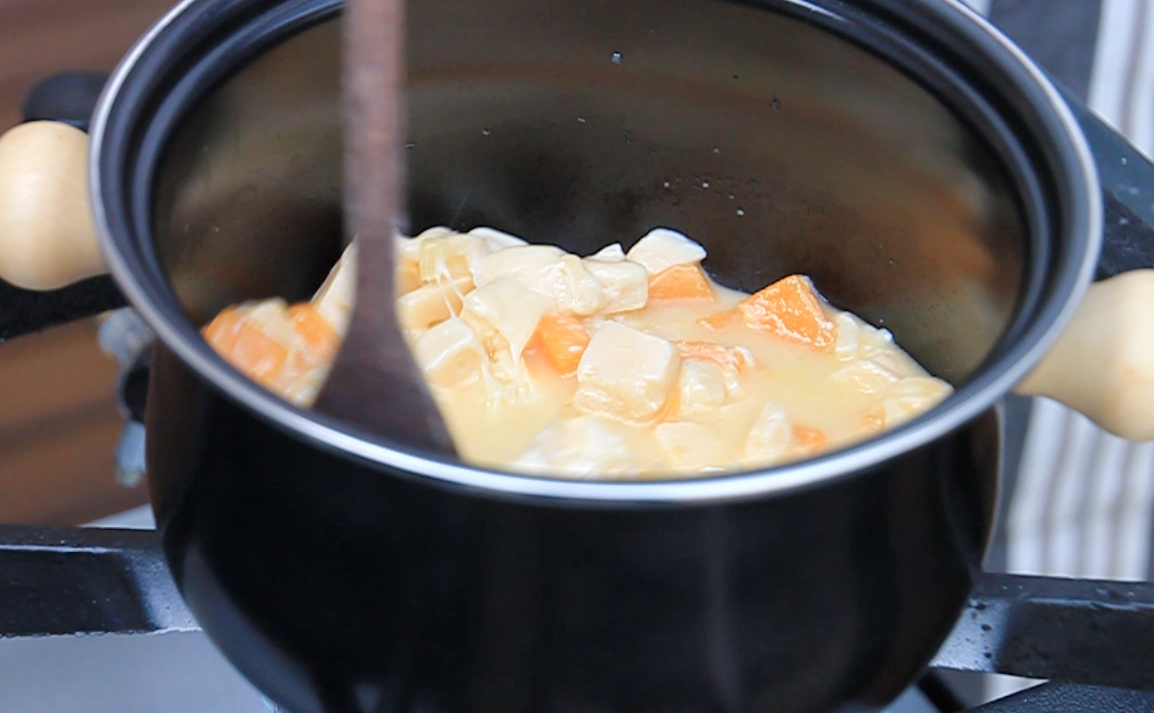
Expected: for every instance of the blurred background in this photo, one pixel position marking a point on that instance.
(58, 418)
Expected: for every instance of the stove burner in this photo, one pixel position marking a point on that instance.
(57, 581)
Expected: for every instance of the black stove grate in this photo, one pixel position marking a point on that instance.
(1080, 634)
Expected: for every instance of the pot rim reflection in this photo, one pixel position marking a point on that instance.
(981, 391)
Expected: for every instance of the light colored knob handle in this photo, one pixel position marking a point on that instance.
(1103, 364)
(47, 236)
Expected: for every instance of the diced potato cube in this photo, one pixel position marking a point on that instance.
(732, 360)
(626, 373)
(409, 257)
(877, 339)
(770, 438)
(897, 361)
(451, 257)
(701, 387)
(497, 240)
(432, 303)
(913, 396)
(867, 376)
(517, 260)
(579, 447)
(449, 354)
(549, 271)
(504, 314)
(856, 338)
(689, 446)
(609, 253)
(334, 299)
(661, 249)
(846, 346)
(573, 288)
(624, 282)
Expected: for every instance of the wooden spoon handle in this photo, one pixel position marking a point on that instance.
(374, 383)
(374, 119)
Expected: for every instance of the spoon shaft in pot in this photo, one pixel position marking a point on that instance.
(375, 384)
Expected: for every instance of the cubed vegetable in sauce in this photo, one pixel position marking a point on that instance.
(620, 364)
(661, 249)
(700, 388)
(449, 354)
(504, 315)
(625, 373)
(432, 303)
(563, 340)
(791, 309)
(680, 282)
(624, 283)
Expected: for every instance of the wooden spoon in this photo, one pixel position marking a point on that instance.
(374, 383)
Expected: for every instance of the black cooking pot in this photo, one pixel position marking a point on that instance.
(904, 155)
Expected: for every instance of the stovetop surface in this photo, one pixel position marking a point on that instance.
(165, 673)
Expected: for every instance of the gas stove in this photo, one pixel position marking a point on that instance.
(90, 620)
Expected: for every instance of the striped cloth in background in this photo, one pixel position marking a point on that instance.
(1081, 501)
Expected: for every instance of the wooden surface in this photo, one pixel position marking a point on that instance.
(58, 428)
(58, 418)
(41, 37)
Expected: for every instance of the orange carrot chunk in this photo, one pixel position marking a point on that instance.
(563, 340)
(735, 358)
(311, 326)
(316, 340)
(408, 276)
(245, 346)
(680, 283)
(790, 309)
(719, 320)
(809, 439)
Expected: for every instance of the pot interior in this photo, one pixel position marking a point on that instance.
(779, 145)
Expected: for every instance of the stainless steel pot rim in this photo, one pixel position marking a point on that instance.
(968, 402)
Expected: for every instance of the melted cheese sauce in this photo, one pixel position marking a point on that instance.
(612, 366)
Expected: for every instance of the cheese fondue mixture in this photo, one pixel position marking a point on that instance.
(615, 365)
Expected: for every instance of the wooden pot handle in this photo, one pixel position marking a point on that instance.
(47, 236)
(1103, 364)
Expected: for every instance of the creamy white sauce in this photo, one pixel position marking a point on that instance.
(639, 405)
